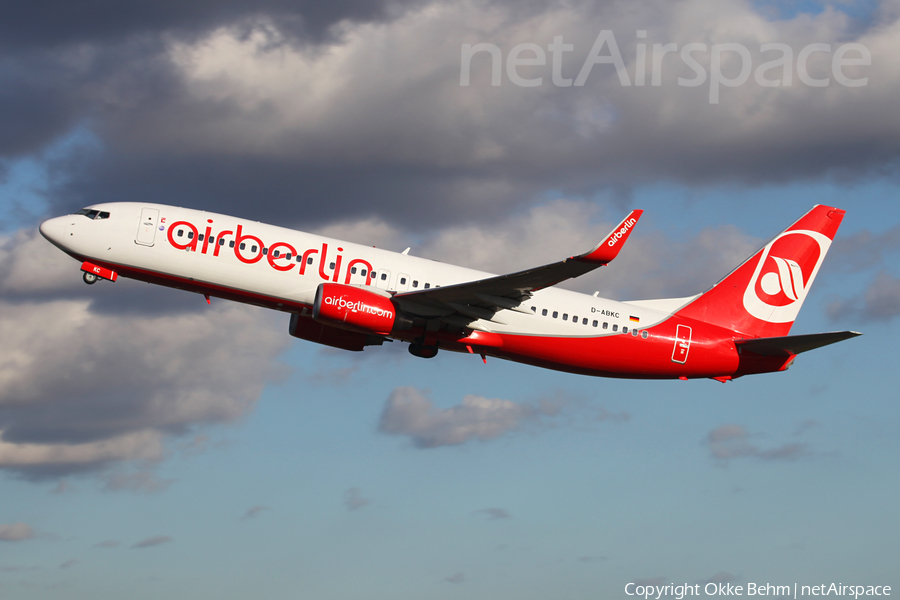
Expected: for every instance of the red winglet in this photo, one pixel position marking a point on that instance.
(609, 248)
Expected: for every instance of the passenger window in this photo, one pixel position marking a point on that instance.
(180, 233)
(200, 237)
(594, 323)
(565, 316)
(383, 276)
(415, 283)
(353, 270)
(231, 244)
(584, 322)
(191, 236)
(605, 325)
(534, 309)
(544, 313)
(253, 248)
(363, 272)
(574, 319)
(634, 332)
(645, 334)
(212, 240)
(265, 251)
(427, 285)
(221, 241)
(309, 260)
(330, 265)
(274, 254)
(403, 281)
(243, 245)
(288, 256)
(615, 327)
(555, 314)
(625, 330)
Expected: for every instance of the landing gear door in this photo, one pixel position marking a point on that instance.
(147, 228)
(682, 344)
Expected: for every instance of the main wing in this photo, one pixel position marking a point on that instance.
(463, 303)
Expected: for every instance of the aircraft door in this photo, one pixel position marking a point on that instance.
(682, 344)
(147, 228)
(402, 282)
(383, 279)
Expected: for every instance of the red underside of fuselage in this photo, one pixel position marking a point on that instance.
(712, 351)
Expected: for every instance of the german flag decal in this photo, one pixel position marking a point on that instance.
(634, 319)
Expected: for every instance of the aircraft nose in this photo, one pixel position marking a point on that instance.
(53, 229)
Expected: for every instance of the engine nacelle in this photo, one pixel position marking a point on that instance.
(307, 329)
(353, 308)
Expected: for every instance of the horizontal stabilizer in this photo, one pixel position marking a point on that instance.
(792, 344)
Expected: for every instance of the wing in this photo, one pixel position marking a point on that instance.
(463, 303)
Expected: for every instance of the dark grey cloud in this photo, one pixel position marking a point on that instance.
(226, 106)
(354, 500)
(254, 511)
(456, 578)
(57, 23)
(493, 514)
(730, 441)
(156, 540)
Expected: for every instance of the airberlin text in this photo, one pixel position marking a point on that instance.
(680, 591)
(358, 306)
(279, 255)
(613, 238)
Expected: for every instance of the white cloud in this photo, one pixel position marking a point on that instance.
(16, 532)
(731, 441)
(409, 412)
(82, 388)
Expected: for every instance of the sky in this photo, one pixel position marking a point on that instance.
(152, 445)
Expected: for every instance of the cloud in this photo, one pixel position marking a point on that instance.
(16, 532)
(69, 564)
(153, 541)
(730, 441)
(456, 578)
(721, 577)
(254, 511)
(880, 302)
(409, 412)
(493, 514)
(139, 481)
(207, 107)
(84, 385)
(353, 499)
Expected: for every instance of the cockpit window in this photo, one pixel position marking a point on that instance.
(93, 214)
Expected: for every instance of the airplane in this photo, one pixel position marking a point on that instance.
(351, 296)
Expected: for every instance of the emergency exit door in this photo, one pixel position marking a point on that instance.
(147, 228)
(682, 344)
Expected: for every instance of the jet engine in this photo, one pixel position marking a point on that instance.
(353, 308)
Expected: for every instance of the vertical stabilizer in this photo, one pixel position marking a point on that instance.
(761, 298)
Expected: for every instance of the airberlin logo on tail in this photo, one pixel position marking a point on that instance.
(786, 269)
(613, 238)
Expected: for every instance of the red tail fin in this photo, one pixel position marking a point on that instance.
(761, 298)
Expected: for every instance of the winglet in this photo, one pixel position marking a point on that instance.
(609, 248)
